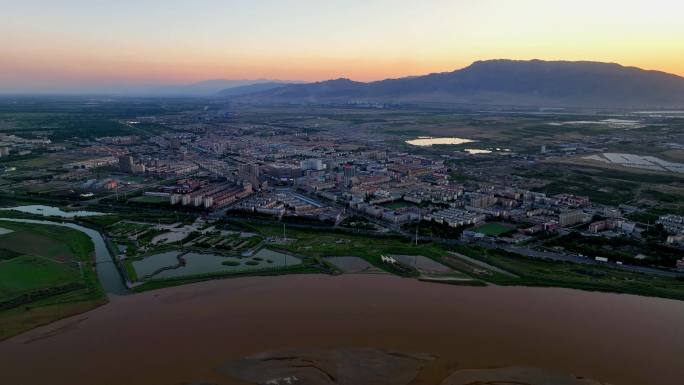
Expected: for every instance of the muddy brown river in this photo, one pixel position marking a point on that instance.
(185, 335)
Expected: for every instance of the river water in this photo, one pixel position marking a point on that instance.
(181, 335)
(106, 270)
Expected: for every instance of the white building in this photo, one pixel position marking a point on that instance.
(312, 164)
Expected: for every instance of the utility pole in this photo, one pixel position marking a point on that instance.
(416, 234)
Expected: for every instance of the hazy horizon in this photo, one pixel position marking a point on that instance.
(98, 46)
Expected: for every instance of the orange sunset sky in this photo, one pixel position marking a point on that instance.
(96, 45)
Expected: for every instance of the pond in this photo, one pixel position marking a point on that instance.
(166, 265)
(426, 141)
(50, 211)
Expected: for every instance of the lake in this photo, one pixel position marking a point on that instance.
(475, 151)
(182, 335)
(426, 141)
(205, 263)
(50, 211)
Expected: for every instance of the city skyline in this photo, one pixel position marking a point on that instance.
(99, 46)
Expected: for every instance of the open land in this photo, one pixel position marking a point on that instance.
(46, 273)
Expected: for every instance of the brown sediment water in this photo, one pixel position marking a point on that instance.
(182, 335)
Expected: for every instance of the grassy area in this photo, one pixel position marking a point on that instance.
(147, 199)
(523, 271)
(126, 229)
(606, 185)
(47, 241)
(100, 221)
(40, 280)
(319, 244)
(131, 274)
(536, 272)
(20, 319)
(25, 274)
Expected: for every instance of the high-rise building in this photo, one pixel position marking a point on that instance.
(126, 164)
(249, 172)
(349, 171)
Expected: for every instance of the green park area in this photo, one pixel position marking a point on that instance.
(526, 271)
(494, 266)
(317, 244)
(46, 273)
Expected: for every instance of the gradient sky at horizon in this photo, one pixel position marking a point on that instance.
(100, 45)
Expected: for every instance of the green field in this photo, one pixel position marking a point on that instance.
(494, 229)
(537, 272)
(40, 279)
(49, 243)
(26, 273)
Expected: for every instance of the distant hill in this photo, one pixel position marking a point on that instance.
(251, 88)
(503, 82)
(212, 87)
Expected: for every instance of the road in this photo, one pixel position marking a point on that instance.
(575, 258)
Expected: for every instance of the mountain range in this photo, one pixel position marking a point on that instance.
(215, 86)
(497, 82)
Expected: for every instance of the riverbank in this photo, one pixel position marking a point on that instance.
(183, 334)
(57, 269)
(466, 266)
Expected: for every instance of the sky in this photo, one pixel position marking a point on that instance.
(100, 45)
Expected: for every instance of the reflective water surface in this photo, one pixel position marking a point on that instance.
(184, 334)
(429, 141)
(50, 211)
(166, 265)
